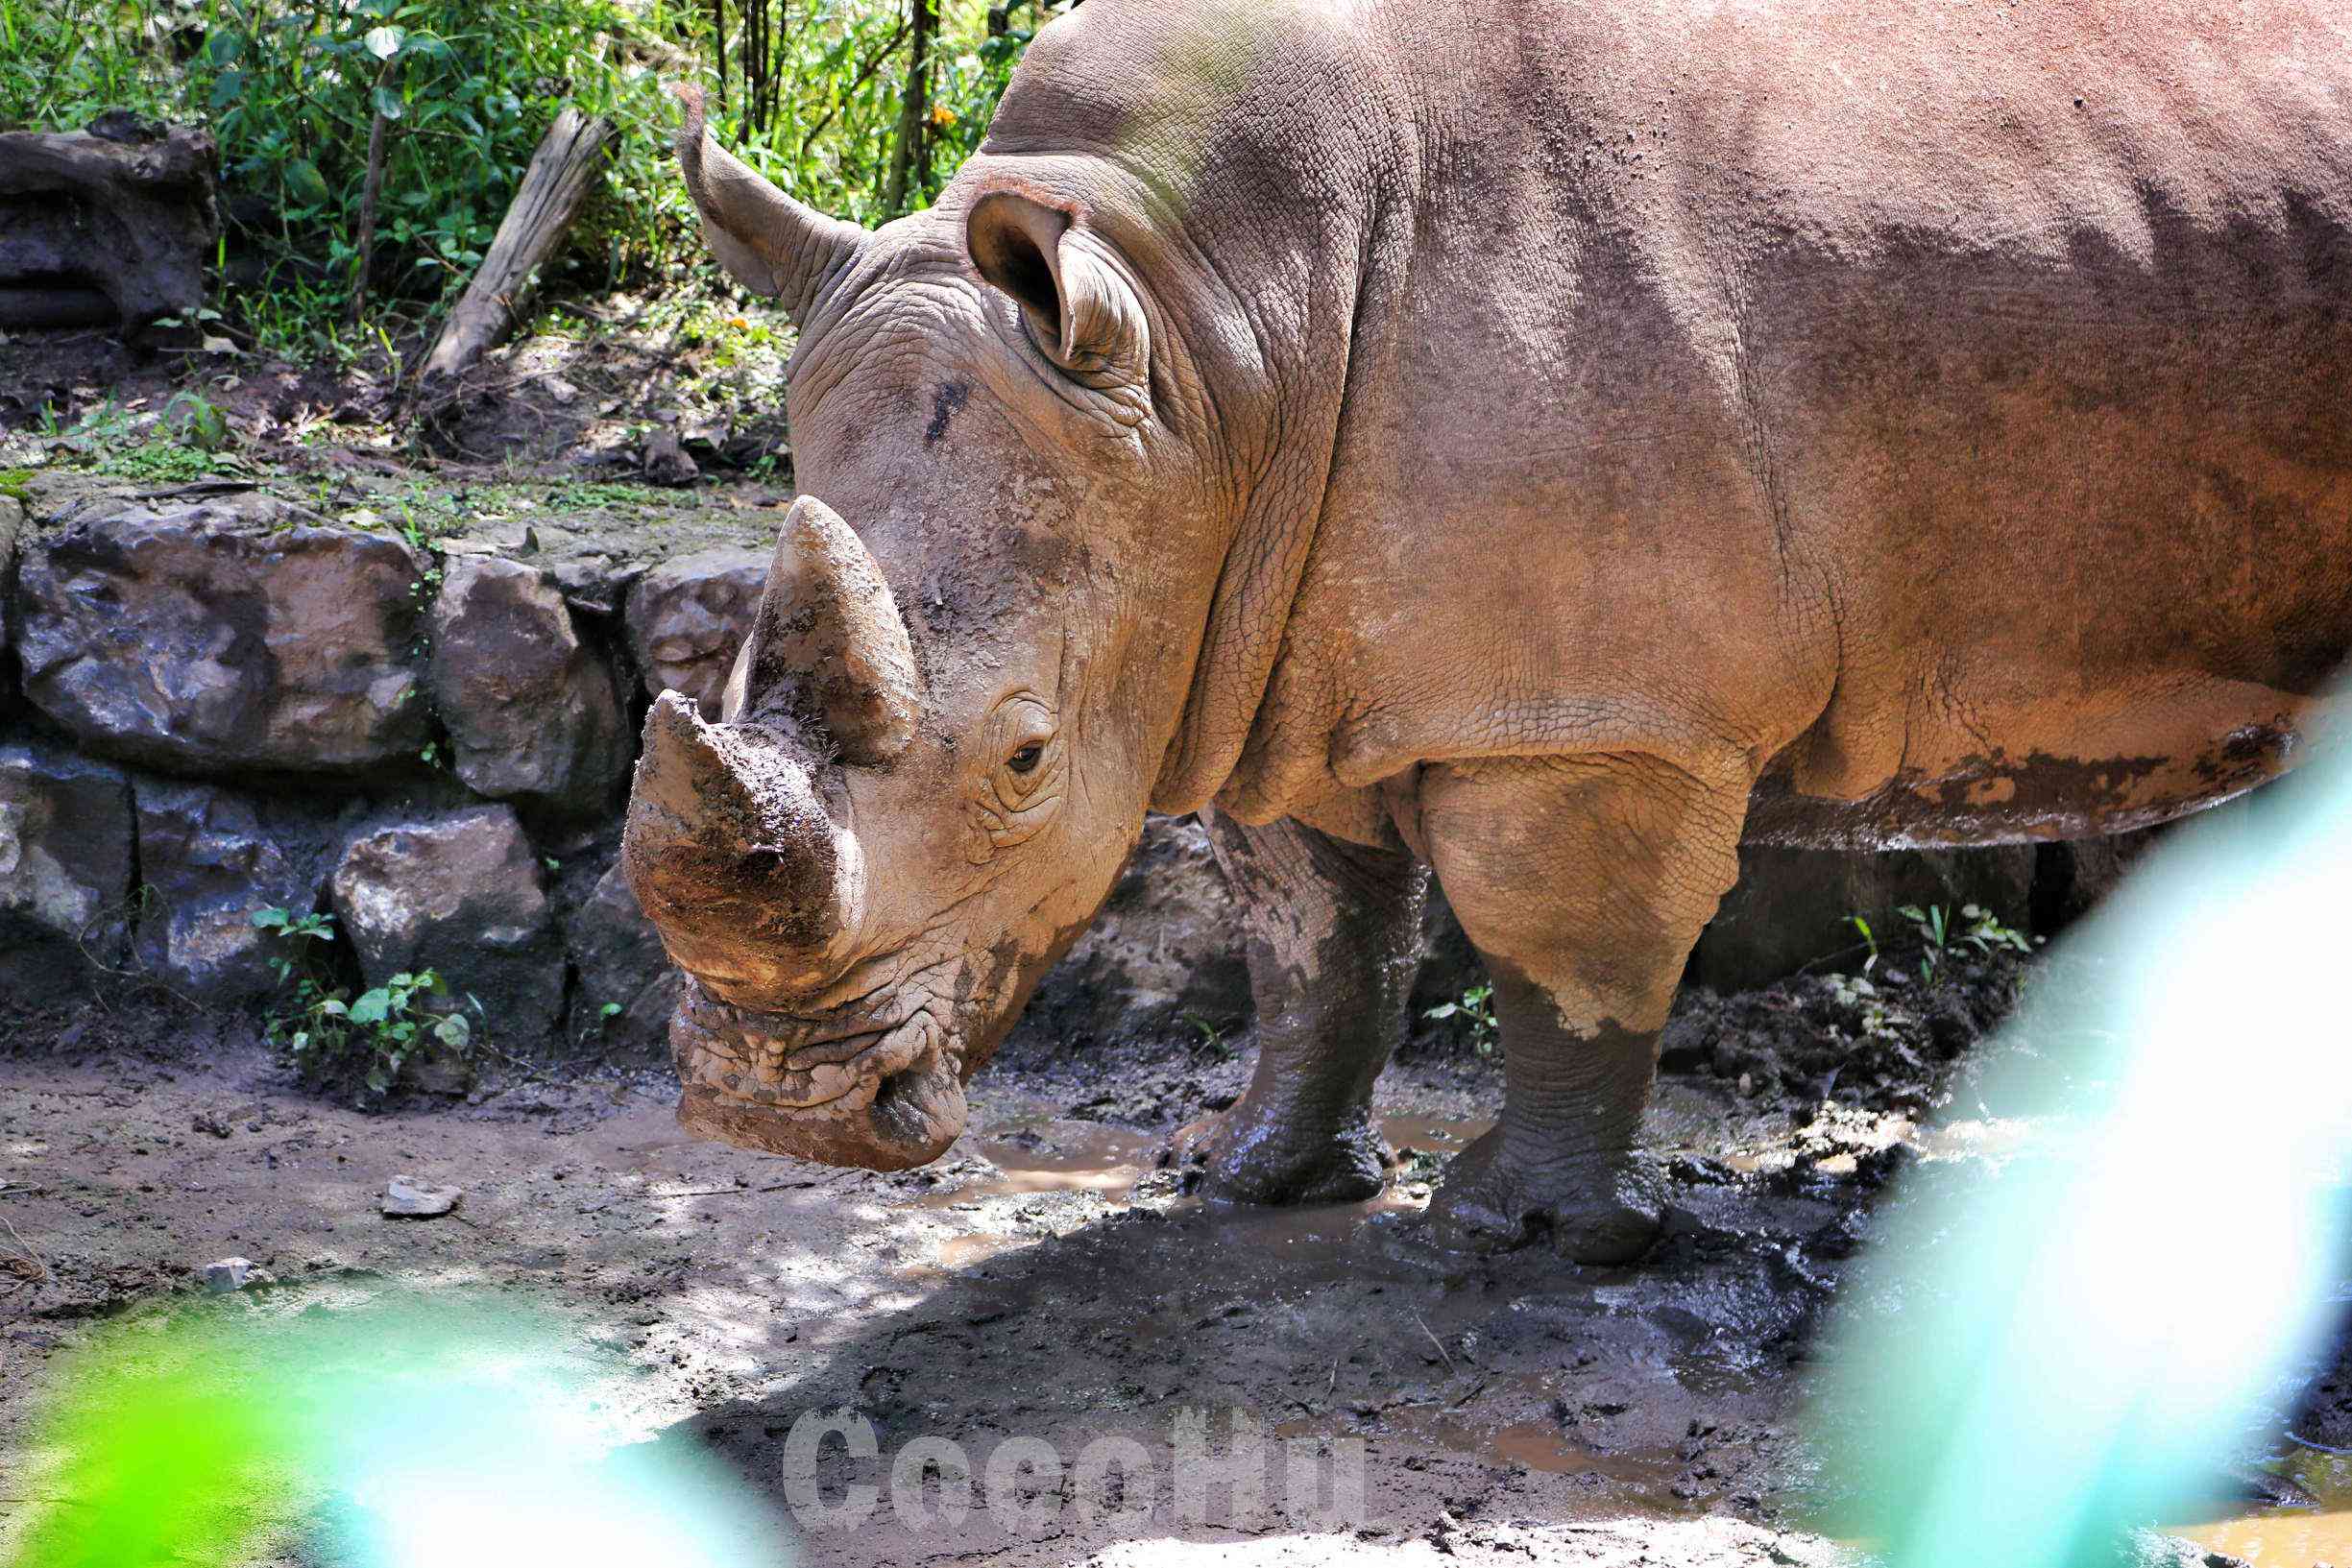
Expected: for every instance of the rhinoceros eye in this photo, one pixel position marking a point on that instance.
(1025, 760)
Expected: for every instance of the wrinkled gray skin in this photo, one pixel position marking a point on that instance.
(1546, 444)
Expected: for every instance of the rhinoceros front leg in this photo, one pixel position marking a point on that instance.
(1331, 928)
(1582, 883)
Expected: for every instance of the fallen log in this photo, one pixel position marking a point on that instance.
(554, 186)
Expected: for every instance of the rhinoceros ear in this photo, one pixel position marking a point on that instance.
(1082, 310)
(770, 243)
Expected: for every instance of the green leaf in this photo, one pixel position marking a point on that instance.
(388, 103)
(227, 88)
(611, 1009)
(332, 1008)
(383, 42)
(454, 1032)
(270, 919)
(304, 179)
(373, 1006)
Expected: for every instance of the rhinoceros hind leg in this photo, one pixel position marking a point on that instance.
(1583, 882)
(1331, 928)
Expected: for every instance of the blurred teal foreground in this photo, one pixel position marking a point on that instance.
(2035, 1360)
(389, 1432)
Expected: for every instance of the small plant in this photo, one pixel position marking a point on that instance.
(198, 419)
(1857, 994)
(1987, 935)
(1477, 1007)
(1213, 1043)
(334, 1036)
(16, 484)
(1932, 932)
(1869, 940)
(1938, 936)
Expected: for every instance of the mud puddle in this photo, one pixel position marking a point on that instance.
(1057, 1188)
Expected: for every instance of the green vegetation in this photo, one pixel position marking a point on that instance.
(1940, 938)
(864, 107)
(160, 461)
(336, 1038)
(1476, 1009)
(1212, 1044)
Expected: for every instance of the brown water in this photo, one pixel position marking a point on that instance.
(2290, 1537)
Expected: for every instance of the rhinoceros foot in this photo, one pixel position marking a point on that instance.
(1491, 1203)
(1251, 1153)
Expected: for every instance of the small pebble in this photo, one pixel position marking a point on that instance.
(228, 1274)
(405, 1197)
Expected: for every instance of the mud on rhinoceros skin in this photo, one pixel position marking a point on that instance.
(1494, 467)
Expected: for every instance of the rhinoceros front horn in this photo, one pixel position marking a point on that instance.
(827, 648)
(735, 860)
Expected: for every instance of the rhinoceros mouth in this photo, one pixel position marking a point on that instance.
(884, 1094)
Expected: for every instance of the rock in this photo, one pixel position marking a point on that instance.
(227, 1275)
(66, 863)
(105, 231)
(1165, 948)
(666, 462)
(459, 895)
(11, 528)
(207, 859)
(598, 583)
(686, 617)
(405, 1197)
(619, 962)
(1790, 906)
(220, 635)
(531, 713)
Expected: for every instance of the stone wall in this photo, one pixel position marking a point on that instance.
(217, 699)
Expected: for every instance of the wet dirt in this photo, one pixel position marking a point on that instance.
(1046, 1281)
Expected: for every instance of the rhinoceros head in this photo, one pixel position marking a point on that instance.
(935, 748)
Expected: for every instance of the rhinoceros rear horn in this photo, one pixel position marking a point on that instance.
(769, 243)
(827, 648)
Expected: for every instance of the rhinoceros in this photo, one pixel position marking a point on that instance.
(1544, 444)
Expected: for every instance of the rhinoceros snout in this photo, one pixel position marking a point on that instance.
(881, 1095)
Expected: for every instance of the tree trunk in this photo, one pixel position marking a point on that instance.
(369, 195)
(911, 155)
(555, 186)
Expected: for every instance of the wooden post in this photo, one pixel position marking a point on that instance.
(555, 186)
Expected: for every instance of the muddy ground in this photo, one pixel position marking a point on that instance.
(1045, 1280)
